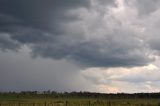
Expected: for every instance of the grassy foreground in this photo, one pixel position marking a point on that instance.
(79, 102)
(74, 100)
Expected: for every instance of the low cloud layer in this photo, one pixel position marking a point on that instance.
(85, 33)
(137, 79)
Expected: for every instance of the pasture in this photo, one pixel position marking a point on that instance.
(75, 100)
(79, 102)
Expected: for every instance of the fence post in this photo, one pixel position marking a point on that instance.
(109, 103)
(89, 103)
(66, 103)
(45, 104)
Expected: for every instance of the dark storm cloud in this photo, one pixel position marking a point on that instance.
(115, 57)
(57, 29)
(7, 43)
(36, 12)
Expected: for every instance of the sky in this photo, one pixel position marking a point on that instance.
(105, 46)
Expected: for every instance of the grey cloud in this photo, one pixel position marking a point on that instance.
(38, 13)
(19, 72)
(154, 43)
(145, 7)
(6, 43)
(134, 78)
(114, 57)
(103, 53)
(81, 32)
(151, 33)
(138, 78)
(7, 19)
(106, 2)
(53, 29)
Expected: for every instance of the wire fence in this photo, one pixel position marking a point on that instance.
(58, 103)
(80, 103)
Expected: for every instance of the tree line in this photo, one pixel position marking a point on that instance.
(54, 94)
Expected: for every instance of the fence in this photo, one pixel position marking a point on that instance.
(80, 103)
(57, 103)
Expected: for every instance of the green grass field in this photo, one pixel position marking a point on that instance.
(79, 102)
(78, 99)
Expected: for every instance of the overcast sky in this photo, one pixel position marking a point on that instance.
(80, 45)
